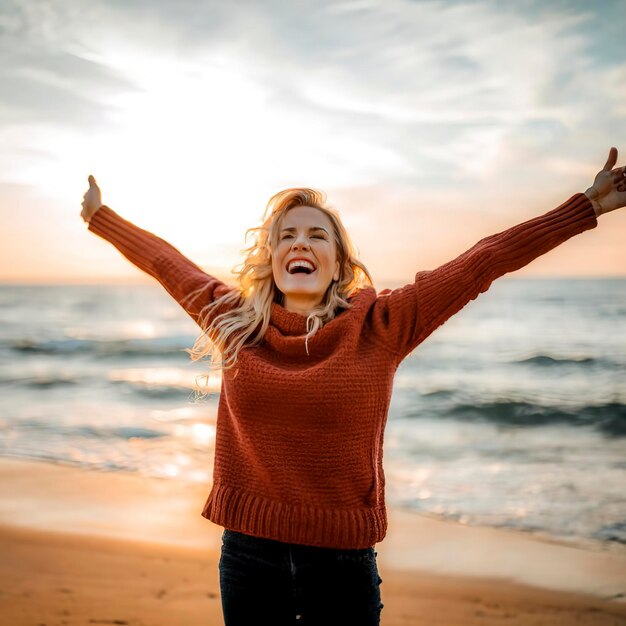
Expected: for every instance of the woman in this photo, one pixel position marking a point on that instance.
(308, 352)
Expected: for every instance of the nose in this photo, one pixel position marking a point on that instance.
(300, 242)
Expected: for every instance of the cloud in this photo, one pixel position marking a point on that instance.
(411, 76)
(454, 89)
(439, 97)
(44, 81)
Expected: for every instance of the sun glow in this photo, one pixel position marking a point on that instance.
(184, 141)
(198, 142)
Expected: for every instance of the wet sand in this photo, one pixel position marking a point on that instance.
(89, 547)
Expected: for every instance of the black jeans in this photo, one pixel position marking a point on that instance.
(264, 581)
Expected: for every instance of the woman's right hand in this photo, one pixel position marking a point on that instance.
(92, 200)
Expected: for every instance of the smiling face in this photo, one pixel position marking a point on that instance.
(306, 233)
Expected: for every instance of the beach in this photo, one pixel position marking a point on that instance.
(95, 547)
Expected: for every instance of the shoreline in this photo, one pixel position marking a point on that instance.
(49, 575)
(592, 545)
(100, 544)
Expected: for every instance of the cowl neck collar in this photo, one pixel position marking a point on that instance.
(287, 322)
(291, 323)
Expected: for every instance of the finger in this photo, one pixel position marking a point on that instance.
(92, 180)
(612, 160)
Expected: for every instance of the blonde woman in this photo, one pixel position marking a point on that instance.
(308, 351)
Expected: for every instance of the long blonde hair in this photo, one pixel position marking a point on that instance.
(248, 305)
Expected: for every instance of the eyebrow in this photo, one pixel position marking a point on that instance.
(292, 228)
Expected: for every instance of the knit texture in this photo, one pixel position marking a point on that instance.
(299, 437)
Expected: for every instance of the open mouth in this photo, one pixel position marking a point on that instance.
(300, 269)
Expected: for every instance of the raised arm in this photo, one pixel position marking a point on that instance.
(404, 317)
(187, 283)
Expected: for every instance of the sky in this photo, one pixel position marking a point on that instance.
(428, 124)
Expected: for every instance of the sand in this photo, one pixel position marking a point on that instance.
(91, 547)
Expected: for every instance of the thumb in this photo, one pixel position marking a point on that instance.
(612, 160)
(92, 180)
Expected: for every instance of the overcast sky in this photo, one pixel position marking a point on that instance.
(429, 125)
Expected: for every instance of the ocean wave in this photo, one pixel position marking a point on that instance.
(61, 459)
(608, 418)
(439, 394)
(162, 347)
(88, 430)
(615, 532)
(52, 381)
(39, 381)
(163, 382)
(156, 390)
(547, 360)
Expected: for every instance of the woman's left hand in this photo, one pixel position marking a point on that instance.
(609, 186)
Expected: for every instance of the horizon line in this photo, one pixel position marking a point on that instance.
(135, 283)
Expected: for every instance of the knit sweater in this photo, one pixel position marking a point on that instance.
(299, 436)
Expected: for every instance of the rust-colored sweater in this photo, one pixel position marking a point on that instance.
(299, 441)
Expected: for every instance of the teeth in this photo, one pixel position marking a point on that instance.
(300, 264)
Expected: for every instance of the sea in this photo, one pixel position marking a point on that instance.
(510, 415)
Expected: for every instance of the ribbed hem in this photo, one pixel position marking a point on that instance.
(255, 515)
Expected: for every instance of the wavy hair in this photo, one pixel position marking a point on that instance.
(248, 305)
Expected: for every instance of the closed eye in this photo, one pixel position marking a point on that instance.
(314, 236)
